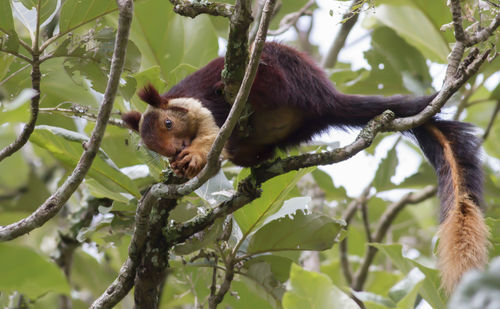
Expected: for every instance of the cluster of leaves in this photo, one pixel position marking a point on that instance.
(268, 237)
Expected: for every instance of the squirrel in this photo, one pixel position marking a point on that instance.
(293, 100)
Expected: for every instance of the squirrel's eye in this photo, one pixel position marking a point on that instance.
(218, 91)
(168, 124)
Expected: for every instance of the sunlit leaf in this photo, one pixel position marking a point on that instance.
(314, 290)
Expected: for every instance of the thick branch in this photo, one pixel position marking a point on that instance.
(195, 8)
(54, 203)
(237, 49)
(350, 18)
(151, 273)
(384, 223)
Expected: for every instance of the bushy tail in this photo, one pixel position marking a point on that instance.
(352, 109)
(453, 150)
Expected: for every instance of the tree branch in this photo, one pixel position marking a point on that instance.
(492, 121)
(236, 58)
(248, 188)
(18, 55)
(22, 139)
(151, 272)
(195, 8)
(291, 19)
(80, 112)
(347, 216)
(384, 223)
(125, 280)
(350, 18)
(54, 203)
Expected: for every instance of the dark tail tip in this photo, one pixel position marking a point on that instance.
(151, 96)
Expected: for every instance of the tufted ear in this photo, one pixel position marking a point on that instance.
(151, 96)
(132, 120)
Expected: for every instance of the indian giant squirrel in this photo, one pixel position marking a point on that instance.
(292, 101)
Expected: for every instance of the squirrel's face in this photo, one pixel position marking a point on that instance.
(165, 131)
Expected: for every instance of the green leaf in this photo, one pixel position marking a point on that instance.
(75, 13)
(421, 178)
(374, 301)
(296, 232)
(280, 265)
(26, 271)
(274, 192)
(325, 182)
(6, 19)
(396, 67)
(66, 146)
(386, 169)
(430, 289)
(426, 37)
(314, 290)
(13, 165)
(405, 292)
(247, 294)
(168, 40)
(17, 110)
(261, 274)
(47, 9)
(200, 240)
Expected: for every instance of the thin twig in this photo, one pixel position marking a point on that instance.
(384, 223)
(366, 222)
(492, 121)
(18, 55)
(347, 216)
(29, 127)
(54, 203)
(76, 112)
(351, 17)
(291, 19)
(224, 287)
(14, 74)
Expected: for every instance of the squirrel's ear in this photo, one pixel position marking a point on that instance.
(132, 120)
(151, 96)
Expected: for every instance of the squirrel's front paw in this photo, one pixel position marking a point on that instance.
(189, 163)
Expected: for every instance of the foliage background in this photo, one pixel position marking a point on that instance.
(298, 212)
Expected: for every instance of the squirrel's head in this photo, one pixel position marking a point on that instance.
(165, 127)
